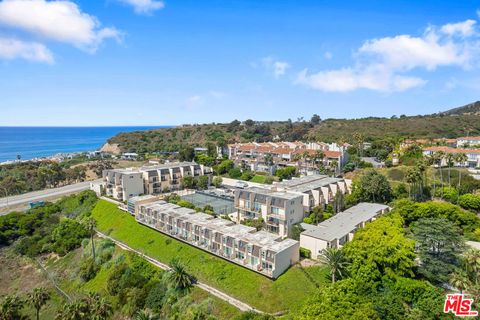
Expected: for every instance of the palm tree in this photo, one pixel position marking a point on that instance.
(146, 315)
(10, 308)
(319, 156)
(334, 164)
(38, 298)
(74, 311)
(460, 281)
(412, 177)
(450, 158)
(100, 308)
(90, 223)
(472, 264)
(461, 158)
(178, 277)
(439, 156)
(335, 260)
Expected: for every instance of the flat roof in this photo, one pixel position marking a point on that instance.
(271, 193)
(345, 222)
(169, 165)
(307, 183)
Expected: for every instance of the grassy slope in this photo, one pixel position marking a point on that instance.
(285, 293)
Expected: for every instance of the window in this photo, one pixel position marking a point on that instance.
(275, 210)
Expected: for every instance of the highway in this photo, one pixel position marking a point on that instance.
(21, 201)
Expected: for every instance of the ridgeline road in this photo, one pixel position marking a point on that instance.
(21, 201)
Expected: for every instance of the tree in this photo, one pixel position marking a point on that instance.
(188, 182)
(100, 308)
(217, 181)
(186, 153)
(146, 315)
(438, 244)
(450, 157)
(202, 182)
(335, 260)
(268, 159)
(235, 173)
(372, 187)
(381, 248)
(225, 166)
(90, 224)
(38, 298)
(68, 235)
(285, 173)
(459, 280)
(10, 308)
(315, 119)
(178, 277)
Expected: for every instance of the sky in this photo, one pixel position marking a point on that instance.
(152, 62)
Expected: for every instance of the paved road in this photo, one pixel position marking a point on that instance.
(219, 294)
(47, 194)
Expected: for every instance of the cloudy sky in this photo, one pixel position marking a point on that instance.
(152, 62)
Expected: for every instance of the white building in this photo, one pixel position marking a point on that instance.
(125, 183)
(259, 251)
(279, 209)
(468, 142)
(339, 229)
(122, 184)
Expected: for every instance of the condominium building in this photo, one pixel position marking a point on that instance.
(122, 184)
(339, 229)
(280, 210)
(286, 203)
(259, 251)
(316, 190)
(473, 156)
(287, 154)
(169, 176)
(463, 142)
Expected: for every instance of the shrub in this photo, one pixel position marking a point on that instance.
(88, 269)
(470, 202)
(305, 253)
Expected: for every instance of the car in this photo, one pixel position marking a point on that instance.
(241, 185)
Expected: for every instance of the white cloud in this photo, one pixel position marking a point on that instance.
(464, 29)
(11, 48)
(278, 68)
(145, 6)
(328, 55)
(382, 64)
(61, 21)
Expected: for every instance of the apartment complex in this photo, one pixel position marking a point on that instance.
(316, 190)
(260, 251)
(287, 154)
(339, 229)
(468, 142)
(286, 203)
(279, 209)
(473, 156)
(122, 184)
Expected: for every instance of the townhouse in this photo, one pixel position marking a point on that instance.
(286, 203)
(473, 156)
(122, 184)
(279, 210)
(316, 190)
(259, 251)
(286, 154)
(467, 142)
(339, 229)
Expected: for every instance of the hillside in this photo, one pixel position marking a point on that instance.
(471, 108)
(329, 130)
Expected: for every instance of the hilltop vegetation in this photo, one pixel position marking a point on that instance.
(472, 108)
(329, 130)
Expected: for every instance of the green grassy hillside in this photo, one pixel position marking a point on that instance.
(285, 293)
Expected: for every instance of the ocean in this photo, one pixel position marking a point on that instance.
(33, 142)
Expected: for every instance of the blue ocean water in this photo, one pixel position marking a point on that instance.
(31, 142)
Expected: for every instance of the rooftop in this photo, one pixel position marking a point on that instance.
(345, 222)
(307, 183)
(271, 193)
(247, 234)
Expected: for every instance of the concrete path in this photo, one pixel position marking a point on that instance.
(217, 293)
(21, 201)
